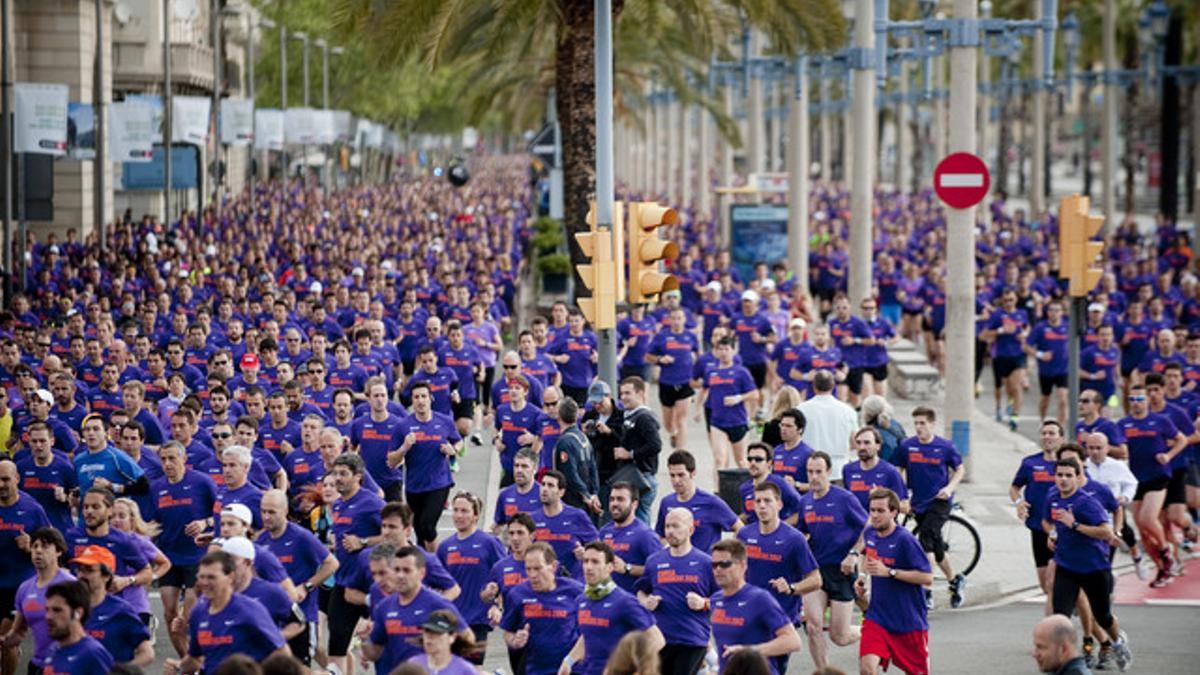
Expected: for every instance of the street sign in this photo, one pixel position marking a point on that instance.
(961, 180)
(543, 144)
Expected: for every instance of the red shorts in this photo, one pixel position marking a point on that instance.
(909, 651)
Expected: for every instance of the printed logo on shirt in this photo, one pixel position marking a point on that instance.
(586, 619)
(720, 616)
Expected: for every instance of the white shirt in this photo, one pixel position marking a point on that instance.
(830, 426)
(1114, 475)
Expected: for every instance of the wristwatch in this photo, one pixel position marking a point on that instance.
(892, 573)
(308, 586)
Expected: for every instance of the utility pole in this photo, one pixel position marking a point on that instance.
(1037, 188)
(252, 57)
(755, 120)
(797, 168)
(6, 143)
(167, 112)
(218, 84)
(101, 107)
(960, 244)
(283, 95)
(685, 155)
(985, 115)
(864, 122)
(726, 199)
(703, 185)
(607, 344)
(826, 129)
(903, 136)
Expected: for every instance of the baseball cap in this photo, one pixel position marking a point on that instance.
(45, 395)
(713, 286)
(768, 284)
(598, 391)
(358, 271)
(1095, 307)
(96, 555)
(750, 295)
(796, 323)
(438, 622)
(316, 287)
(676, 293)
(239, 511)
(249, 361)
(238, 546)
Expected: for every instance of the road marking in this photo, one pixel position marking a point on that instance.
(1173, 602)
(961, 180)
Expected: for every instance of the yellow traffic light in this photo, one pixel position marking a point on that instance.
(646, 250)
(605, 276)
(1077, 254)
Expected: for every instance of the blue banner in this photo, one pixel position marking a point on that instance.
(185, 170)
(759, 233)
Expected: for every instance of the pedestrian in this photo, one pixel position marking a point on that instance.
(787, 398)
(111, 620)
(831, 423)
(631, 540)
(573, 456)
(729, 390)
(871, 471)
(46, 547)
(469, 556)
(674, 351)
(602, 424)
(895, 628)
(640, 445)
(761, 461)
(540, 617)
(1054, 648)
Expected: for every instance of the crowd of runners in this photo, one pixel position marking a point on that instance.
(259, 413)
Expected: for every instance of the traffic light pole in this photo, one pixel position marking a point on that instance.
(606, 337)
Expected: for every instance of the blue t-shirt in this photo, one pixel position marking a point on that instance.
(749, 616)
(303, 468)
(512, 424)
(633, 543)
(1008, 343)
(176, 505)
(682, 348)
(722, 382)
(855, 329)
(273, 439)
(782, 553)
(671, 578)
(792, 463)
(23, 517)
(301, 554)
(39, 482)
(510, 502)
(109, 463)
(928, 468)
(1076, 551)
(358, 515)
(462, 362)
(640, 332)
(789, 356)
(114, 623)
(1147, 438)
(1036, 475)
(791, 498)
(508, 574)
(1094, 359)
(579, 370)
(1052, 339)
(426, 467)
(470, 562)
(752, 353)
(276, 601)
(397, 627)
(85, 657)
(897, 606)
(1102, 425)
(242, 627)
(860, 481)
(711, 517)
(832, 522)
(441, 383)
(552, 620)
(602, 624)
(1183, 422)
(563, 532)
(374, 441)
(247, 495)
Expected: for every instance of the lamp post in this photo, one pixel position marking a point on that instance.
(101, 107)
(862, 64)
(303, 39)
(167, 112)
(218, 84)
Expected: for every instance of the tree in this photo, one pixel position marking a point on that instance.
(508, 45)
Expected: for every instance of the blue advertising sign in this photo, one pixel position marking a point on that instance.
(185, 170)
(759, 233)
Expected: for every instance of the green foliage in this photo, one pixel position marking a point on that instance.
(555, 263)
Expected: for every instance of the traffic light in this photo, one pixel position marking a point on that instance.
(605, 276)
(646, 249)
(1077, 254)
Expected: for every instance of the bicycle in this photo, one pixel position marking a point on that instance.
(963, 545)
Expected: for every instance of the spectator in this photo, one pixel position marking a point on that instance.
(573, 456)
(877, 413)
(640, 445)
(1054, 648)
(635, 655)
(831, 423)
(786, 399)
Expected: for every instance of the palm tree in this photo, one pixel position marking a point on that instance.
(516, 49)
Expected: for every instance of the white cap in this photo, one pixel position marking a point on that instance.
(239, 511)
(750, 295)
(387, 265)
(316, 287)
(358, 271)
(797, 323)
(768, 284)
(713, 286)
(239, 547)
(44, 395)
(1095, 307)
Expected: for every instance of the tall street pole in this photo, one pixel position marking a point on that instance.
(985, 114)
(251, 57)
(6, 156)
(1108, 135)
(685, 156)
(864, 150)
(826, 129)
(1037, 187)
(726, 199)
(960, 244)
(101, 107)
(797, 168)
(167, 112)
(755, 119)
(703, 184)
(218, 85)
(283, 94)
(903, 135)
(604, 165)
(672, 148)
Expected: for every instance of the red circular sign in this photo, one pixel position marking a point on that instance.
(961, 180)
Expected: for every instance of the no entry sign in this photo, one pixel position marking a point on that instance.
(961, 180)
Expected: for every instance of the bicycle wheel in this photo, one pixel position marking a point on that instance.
(962, 544)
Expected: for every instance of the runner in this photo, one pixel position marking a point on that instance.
(674, 350)
(760, 462)
(111, 620)
(430, 441)
(631, 540)
(1006, 329)
(791, 455)
(541, 612)
(1047, 344)
(74, 651)
(711, 515)
(566, 528)
(1030, 486)
(470, 556)
(870, 471)
(46, 546)
(356, 525)
(745, 616)
(523, 496)
(729, 391)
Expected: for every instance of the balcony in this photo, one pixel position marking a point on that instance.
(139, 65)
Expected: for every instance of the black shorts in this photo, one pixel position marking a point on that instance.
(1153, 485)
(427, 508)
(1177, 487)
(1047, 383)
(464, 409)
(825, 294)
(838, 585)
(758, 371)
(1193, 475)
(304, 644)
(179, 576)
(735, 434)
(929, 528)
(707, 419)
(1097, 586)
(1003, 366)
(910, 312)
(8, 602)
(670, 394)
(1042, 555)
(409, 366)
(877, 373)
(854, 380)
(343, 618)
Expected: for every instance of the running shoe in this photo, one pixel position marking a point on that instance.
(1162, 578)
(957, 585)
(928, 599)
(476, 439)
(1167, 558)
(1090, 655)
(1121, 651)
(1139, 569)
(1106, 659)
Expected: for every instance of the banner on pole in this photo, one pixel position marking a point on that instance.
(343, 125)
(268, 129)
(190, 119)
(81, 130)
(41, 118)
(237, 121)
(324, 127)
(131, 127)
(299, 125)
(156, 104)
(759, 233)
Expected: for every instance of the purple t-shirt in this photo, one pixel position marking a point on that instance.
(722, 382)
(749, 616)
(793, 462)
(633, 543)
(1036, 475)
(426, 467)
(358, 515)
(711, 517)
(551, 617)
(24, 516)
(242, 627)
(832, 522)
(31, 603)
(671, 578)
(579, 370)
(860, 481)
(782, 553)
(457, 666)
(510, 502)
(301, 554)
(85, 657)
(1075, 550)
(602, 624)
(1146, 438)
(897, 606)
(512, 424)
(570, 528)
(397, 627)
(929, 466)
(470, 562)
(176, 505)
(374, 440)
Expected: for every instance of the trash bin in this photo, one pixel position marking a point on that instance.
(727, 489)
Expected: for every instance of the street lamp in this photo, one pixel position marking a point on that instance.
(303, 37)
(1070, 33)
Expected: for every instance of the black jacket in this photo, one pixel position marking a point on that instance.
(1075, 666)
(603, 444)
(640, 436)
(574, 457)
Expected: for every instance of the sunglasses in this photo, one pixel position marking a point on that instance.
(1137, 399)
(223, 435)
(549, 404)
(508, 367)
(756, 459)
(722, 564)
